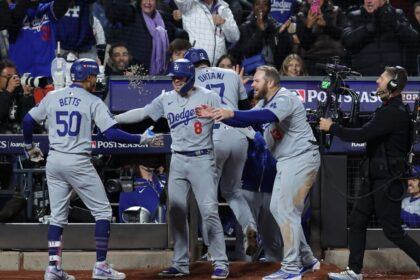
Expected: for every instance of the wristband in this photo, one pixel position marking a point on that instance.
(29, 146)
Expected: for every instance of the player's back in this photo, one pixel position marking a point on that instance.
(225, 82)
(71, 112)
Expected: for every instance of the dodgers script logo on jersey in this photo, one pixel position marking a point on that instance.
(280, 6)
(183, 117)
(36, 23)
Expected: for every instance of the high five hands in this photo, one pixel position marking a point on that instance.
(150, 137)
(217, 114)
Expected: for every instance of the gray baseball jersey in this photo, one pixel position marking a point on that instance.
(289, 136)
(230, 144)
(298, 161)
(70, 112)
(226, 83)
(191, 172)
(187, 131)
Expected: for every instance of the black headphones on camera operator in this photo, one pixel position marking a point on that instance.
(393, 83)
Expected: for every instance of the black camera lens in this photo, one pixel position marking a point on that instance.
(113, 186)
(36, 82)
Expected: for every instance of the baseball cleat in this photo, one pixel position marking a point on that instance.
(280, 274)
(172, 272)
(220, 273)
(315, 265)
(53, 273)
(104, 271)
(250, 241)
(347, 274)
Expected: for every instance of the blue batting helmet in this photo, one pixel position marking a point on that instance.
(414, 172)
(197, 55)
(183, 68)
(82, 68)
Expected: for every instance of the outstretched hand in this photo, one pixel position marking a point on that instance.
(217, 114)
(240, 71)
(220, 114)
(204, 111)
(150, 137)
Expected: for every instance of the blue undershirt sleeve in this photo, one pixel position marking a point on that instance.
(115, 134)
(235, 123)
(28, 125)
(250, 117)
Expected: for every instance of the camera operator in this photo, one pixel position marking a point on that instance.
(15, 100)
(388, 142)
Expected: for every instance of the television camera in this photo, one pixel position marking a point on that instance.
(334, 86)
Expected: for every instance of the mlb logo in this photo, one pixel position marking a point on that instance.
(94, 144)
(301, 93)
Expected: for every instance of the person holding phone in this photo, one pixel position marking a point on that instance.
(319, 29)
(315, 6)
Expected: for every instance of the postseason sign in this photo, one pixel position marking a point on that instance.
(13, 144)
(125, 95)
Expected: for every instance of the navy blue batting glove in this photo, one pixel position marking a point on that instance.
(259, 141)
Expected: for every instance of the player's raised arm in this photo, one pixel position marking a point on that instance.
(236, 118)
(220, 114)
(132, 116)
(148, 136)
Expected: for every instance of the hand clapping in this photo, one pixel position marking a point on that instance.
(217, 114)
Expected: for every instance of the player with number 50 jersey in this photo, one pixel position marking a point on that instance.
(71, 112)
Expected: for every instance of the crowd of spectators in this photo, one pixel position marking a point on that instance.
(366, 35)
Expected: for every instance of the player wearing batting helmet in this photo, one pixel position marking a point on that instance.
(71, 112)
(230, 144)
(192, 165)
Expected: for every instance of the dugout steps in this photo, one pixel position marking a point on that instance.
(83, 260)
(383, 260)
(30, 236)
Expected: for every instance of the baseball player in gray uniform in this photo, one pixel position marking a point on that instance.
(71, 112)
(230, 144)
(192, 165)
(289, 138)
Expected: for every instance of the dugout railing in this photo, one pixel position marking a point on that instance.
(79, 236)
